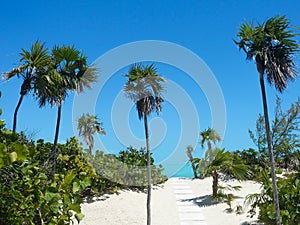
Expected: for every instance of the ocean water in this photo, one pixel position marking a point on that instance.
(178, 170)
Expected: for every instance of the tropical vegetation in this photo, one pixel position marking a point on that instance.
(189, 153)
(67, 72)
(209, 136)
(32, 63)
(88, 125)
(144, 88)
(272, 46)
(45, 183)
(218, 161)
(32, 190)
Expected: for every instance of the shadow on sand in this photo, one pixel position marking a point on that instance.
(201, 201)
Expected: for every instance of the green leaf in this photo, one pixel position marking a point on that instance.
(86, 182)
(13, 156)
(21, 151)
(68, 178)
(76, 208)
(1, 163)
(76, 187)
(67, 199)
(49, 196)
(79, 216)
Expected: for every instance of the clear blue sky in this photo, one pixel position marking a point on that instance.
(204, 27)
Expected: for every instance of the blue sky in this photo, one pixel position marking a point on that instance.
(206, 28)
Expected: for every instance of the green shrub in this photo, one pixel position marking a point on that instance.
(127, 170)
(279, 170)
(289, 198)
(28, 195)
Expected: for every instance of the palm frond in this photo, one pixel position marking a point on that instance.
(144, 87)
(209, 135)
(272, 45)
(87, 126)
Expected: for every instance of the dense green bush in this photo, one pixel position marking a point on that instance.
(127, 170)
(253, 160)
(27, 194)
(289, 198)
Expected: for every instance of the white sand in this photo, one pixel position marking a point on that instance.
(129, 208)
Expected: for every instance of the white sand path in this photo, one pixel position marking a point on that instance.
(177, 202)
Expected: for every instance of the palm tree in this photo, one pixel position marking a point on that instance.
(144, 89)
(31, 63)
(87, 125)
(209, 135)
(271, 46)
(218, 161)
(189, 152)
(68, 72)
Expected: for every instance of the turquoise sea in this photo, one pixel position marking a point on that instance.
(178, 170)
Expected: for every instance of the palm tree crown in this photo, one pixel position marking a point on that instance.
(209, 135)
(32, 63)
(68, 71)
(144, 88)
(218, 161)
(272, 47)
(87, 126)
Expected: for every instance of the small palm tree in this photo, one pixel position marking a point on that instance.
(88, 125)
(144, 89)
(218, 161)
(67, 72)
(271, 46)
(189, 152)
(32, 62)
(209, 136)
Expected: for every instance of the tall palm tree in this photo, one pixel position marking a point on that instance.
(209, 136)
(88, 125)
(31, 62)
(271, 46)
(189, 152)
(144, 87)
(67, 72)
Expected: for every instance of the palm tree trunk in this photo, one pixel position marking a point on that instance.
(16, 113)
(215, 184)
(90, 150)
(209, 145)
(194, 170)
(54, 153)
(148, 171)
(270, 148)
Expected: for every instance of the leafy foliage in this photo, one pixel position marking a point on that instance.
(218, 161)
(272, 46)
(209, 135)
(289, 197)
(127, 170)
(28, 195)
(189, 152)
(285, 136)
(253, 160)
(32, 63)
(87, 125)
(144, 87)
